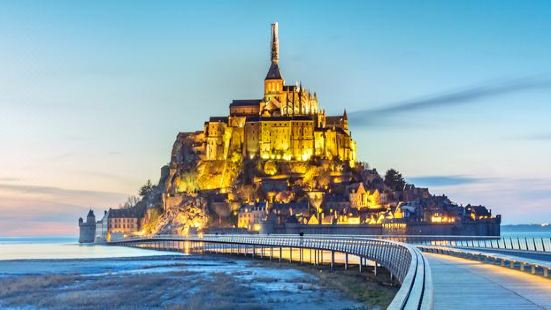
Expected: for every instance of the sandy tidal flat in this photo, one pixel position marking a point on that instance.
(176, 282)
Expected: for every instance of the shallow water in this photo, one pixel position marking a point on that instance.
(64, 248)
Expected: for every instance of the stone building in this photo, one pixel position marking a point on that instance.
(102, 228)
(87, 229)
(251, 216)
(286, 123)
(124, 221)
(361, 198)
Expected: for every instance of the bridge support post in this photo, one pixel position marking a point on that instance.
(321, 255)
(332, 260)
(254, 251)
(375, 268)
(317, 257)
(271, 253)
(290, 255)
(361, 263)
(300, 255)
(280, 253)
(346, 261)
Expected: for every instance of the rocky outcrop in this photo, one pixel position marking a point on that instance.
(190, 215)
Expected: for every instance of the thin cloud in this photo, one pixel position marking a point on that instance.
(538, 137)
(451, 99)
(9, 179)
(56, 191)
(445, 180)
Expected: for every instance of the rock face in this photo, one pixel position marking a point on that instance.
(189, 215)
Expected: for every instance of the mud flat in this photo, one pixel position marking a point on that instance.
(182, 282)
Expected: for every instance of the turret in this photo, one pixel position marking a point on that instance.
(91, 218)
(87, 229)
(345, 121)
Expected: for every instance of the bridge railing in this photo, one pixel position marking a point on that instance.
(533, 244)
(405, 262)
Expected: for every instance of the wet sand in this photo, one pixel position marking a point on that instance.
(180, 282)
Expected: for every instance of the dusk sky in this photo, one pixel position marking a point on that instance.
(456, 95)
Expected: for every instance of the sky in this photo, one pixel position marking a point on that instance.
(456, 95)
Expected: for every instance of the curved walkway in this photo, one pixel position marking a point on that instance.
(403, 261)
(462, 284)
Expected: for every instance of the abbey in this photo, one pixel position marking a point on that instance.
(287, 123)
(279, 164)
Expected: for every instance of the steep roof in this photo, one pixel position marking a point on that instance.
(90, 213)
(280, 118)
(273, 73)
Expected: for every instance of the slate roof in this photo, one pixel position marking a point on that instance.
(280, 118)
(273, 73)
(218, 119)
(244, 102)
(134, 212)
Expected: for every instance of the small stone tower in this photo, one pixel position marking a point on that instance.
(88, 228)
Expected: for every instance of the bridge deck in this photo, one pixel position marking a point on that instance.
(463, 284)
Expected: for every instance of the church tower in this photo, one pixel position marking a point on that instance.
(273, 83)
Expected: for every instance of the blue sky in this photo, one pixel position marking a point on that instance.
(454, 94)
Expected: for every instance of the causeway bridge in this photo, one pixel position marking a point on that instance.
(434, 272)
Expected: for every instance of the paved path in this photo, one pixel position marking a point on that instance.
(465, 284)
(542, 256)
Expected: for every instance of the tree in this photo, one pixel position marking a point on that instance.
(130, 202)
(394, 180)
(146, 188)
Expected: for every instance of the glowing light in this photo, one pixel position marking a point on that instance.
(436, 218)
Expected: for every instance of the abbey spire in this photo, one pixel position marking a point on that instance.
(275, 44)
(273, 72)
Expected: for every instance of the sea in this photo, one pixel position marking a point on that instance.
(64, 247)
(526, 231)
(67, 247)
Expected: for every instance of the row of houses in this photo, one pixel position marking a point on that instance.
(360, 205)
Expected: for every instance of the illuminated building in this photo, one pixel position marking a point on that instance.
(286, 124)
(360, 198)
(250, 216)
